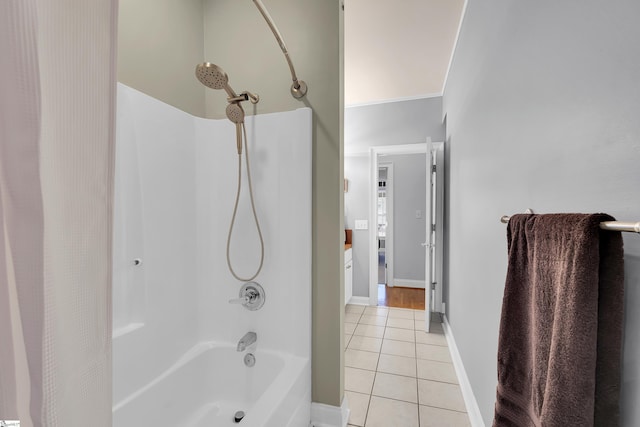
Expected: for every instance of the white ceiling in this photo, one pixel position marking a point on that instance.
(397, 49)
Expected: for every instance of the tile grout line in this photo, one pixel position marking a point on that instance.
(379, 353)
(374, 382)
(375, 375)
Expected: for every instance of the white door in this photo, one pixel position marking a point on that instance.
(434, 232)
(430, 238)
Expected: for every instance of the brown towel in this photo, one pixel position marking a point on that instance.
(561, 326)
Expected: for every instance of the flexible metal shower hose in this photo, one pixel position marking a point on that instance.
(253, 209)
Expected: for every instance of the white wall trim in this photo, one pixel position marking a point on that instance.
(359, 300)
(329, 416)
(373, 208)
(412, 148)
(402, 99)
(417, 148)
(467, 393)
(389, 238)
(455, 45)
(409, 283)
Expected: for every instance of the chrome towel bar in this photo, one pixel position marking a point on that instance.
(633, 227)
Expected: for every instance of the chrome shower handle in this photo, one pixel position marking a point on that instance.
(251, 296)
(247, 298)
(244, 300)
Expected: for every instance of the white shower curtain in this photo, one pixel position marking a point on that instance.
(57, 105)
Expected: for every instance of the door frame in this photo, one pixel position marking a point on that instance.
(438, 154)
(434, 242)
(374, 152)
(388, 242)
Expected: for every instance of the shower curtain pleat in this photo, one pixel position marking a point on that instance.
(57, 109)
(21, 277)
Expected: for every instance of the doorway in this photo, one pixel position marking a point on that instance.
(381, 239)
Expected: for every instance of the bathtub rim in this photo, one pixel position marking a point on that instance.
(290, 361)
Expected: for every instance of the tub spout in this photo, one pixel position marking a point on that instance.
(248, 339)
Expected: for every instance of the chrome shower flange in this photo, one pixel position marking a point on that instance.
(300, 91)
(251, 296)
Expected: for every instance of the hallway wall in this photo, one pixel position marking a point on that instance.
(542, 105)
(356, 206)
(365, 126)
(400, 122)
(409, 195)
(409, 232)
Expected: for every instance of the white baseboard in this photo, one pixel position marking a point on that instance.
(329, 416)
(467, 393)
(359, 300)
(407, 283)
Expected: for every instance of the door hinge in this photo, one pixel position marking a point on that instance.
(433, 168)
(433, 227)
(433, 286)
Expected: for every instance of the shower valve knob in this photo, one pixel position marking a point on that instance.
(251, 296)
(243, 300)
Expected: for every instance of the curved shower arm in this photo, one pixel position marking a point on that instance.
(299, 87)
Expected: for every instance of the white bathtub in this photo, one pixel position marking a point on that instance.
(209, 383)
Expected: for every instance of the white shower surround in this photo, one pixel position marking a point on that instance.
(175, 187)
(272, 394)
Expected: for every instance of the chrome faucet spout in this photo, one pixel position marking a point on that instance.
(248, 339)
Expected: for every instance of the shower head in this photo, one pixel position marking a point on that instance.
(214, 77)
(235, 113)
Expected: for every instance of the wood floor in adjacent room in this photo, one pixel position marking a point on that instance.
(400, 297)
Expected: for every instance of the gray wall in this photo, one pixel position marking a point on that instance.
(542, 105)
(409, 182)
(159, 44)
(356, 206)
(392, 123)
(409, 232)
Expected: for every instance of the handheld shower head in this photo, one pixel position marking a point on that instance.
(214, 77)
(235, 113)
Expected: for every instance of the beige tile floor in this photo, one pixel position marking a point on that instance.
(396, 374)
